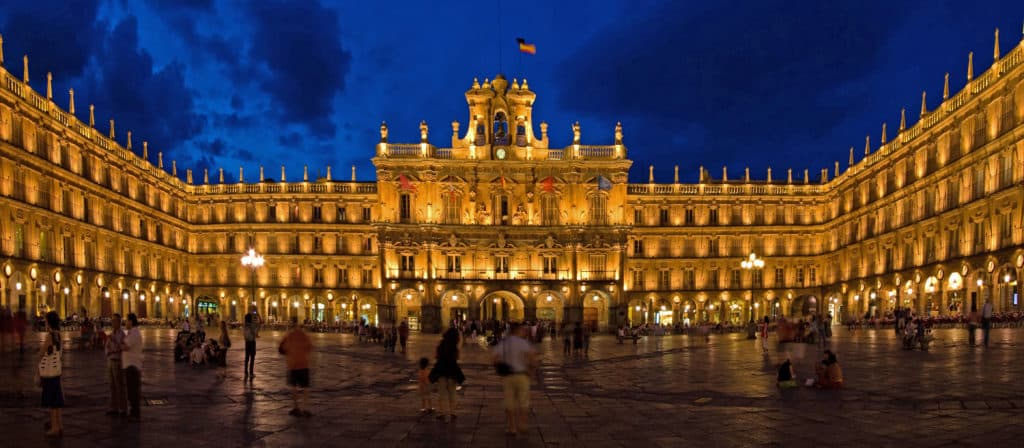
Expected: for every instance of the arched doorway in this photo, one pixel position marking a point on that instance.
(687, 312)
(1007, 291)
(803, 306)
(206, 305)
(408, 306)
(454, 307)
(637, 313)
(595, 310)
(955, 294)
(502, 306)
(550, 307)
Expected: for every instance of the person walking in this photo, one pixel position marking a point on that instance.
(113, 348)
(249, 333)
(986, 321)
(131, 360)
(423, 382)
(764, 335)
(224, 343)
(403, 333)
(296, 347)
(972, 324)
(517, 360)
(447, 373)
(53, 394)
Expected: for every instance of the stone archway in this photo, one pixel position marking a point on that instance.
(596, 305)
(550, 307)
(408, 306)
(455, 307)
(502, 306)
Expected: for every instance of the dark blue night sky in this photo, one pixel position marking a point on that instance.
(740, 83)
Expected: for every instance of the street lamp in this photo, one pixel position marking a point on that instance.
(752, 263)
(253, 261)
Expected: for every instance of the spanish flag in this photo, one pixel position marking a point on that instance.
(526, 47)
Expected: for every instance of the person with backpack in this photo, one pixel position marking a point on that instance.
(249, 333)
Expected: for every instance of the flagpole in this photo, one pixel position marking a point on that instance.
(500, 45)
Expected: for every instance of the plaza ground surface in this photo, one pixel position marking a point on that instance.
(665, 391)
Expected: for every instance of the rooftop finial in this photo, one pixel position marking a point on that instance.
(129, 140)
(867, 145)
(24, 76)
(145, 150)
(283, 179)
(924, 106)
(305, 173)
(476, 83)
(995, 49)
(92, 116)
(945, 87)
(71, 101)
(241, 175)
(328, 173)
(111, 128)
(970, 66)
(789, 175)
(206, 175)
(884, 137)
(851, 156)
(903, 115)
(174, 168)
(261, 173)
(353, 172)
(159, 159)
(676, 176)
(618, 133)
(576, 133)
(525, 86)
(49, 86)
(650, 174)
(221, 175)
(383, 132)
(769, 174)
(423, 131)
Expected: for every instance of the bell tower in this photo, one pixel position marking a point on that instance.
(500, 120)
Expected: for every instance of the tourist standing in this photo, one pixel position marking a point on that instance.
(403, 333)
(131, 359)
(986, 321)
(296, 347)
(764, 335)
(520, 360)
(423, 381)
(249, 333)
(53, 393)
(113, 349)
(972, 323)
(447, 373)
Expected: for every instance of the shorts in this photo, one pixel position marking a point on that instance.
(517, 391)
(298, 378)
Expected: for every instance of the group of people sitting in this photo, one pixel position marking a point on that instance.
(917, 333)
(828, 374)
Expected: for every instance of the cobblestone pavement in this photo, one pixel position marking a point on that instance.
(665, 391)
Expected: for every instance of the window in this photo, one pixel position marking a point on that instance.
(713, 217)
(404, 208)
(549, 209)
(454, 264)
(408, 264)
(318, 215)
(125, 223)
(342, 276)
(757, 278)
(367, 216)
(812, 276)
(296, 248)
(550, 264)
(271, 213)
(929, 249)
(689, 217)
(638, 216)
(735, 278)
(368, 244)
(979, 236)
(713, 247)
(780, 277)
(663, 217)
(1005, 229)
(318, 276)
(598, 266)
(501, 211)
(979, 182)
(954, 241)
(689, 279)
(888, 259)
(342, 216)
(598, 213)
(638, 247)
(501, 264)
(86, 210)
(69, 251)
(800, 277)
(1005, 170)
(452, 208)
(713, 278)
(367, 277)
(143, 229)
(318, 244)
(664, 279)
(638, 280)
(230, 243)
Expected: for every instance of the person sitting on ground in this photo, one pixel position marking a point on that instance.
(198, 358)
(830, 375)
(786, 377)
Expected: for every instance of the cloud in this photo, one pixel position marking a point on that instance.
(717, 80)
(301, 62)
(155, 103)
(58, 36)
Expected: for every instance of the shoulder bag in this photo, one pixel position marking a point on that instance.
(50, 364)
(501, 367)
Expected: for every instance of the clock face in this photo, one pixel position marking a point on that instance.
(501, 153)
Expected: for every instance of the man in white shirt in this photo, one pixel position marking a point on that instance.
(986, 320)
(131, 361)
(521, 358)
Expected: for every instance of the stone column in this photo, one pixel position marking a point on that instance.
(430, 319)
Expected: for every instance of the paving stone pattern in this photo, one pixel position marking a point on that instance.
(666, 391)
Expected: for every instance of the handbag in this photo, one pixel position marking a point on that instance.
(50, 364)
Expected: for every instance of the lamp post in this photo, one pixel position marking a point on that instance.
(752, 263)
(253, 261)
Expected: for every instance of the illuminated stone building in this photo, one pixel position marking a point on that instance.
(497, 224)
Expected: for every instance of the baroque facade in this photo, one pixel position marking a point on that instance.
(500, 225)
